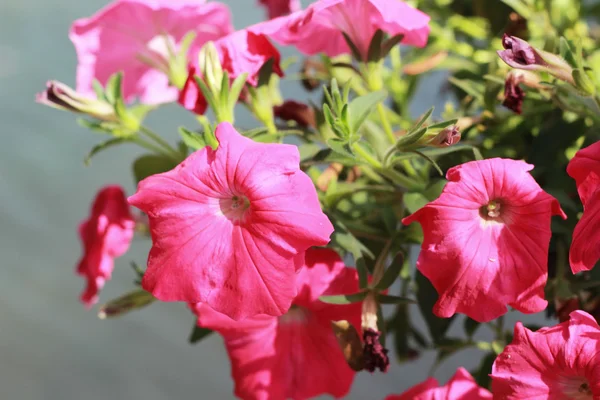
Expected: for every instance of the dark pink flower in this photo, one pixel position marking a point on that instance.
(296, 355)
(486, 240)
(559, 362)
(513, 94)
(278, 8)
(461, 386)
(302, 114)
(245, 51)
(230, 226)
(585, 169)
(106, 235)
(318, 29)
(190, 96)
(134, 36)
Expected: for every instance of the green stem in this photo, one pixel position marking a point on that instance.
(156, 137)
(367, 156)
(379, 268)
(152, 147)
(387, 128)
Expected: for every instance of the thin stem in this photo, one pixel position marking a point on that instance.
(156, 137)
(387, 128)
(379, 268)
(151, 146)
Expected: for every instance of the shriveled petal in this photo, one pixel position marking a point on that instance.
(557, 362)
(479, 266)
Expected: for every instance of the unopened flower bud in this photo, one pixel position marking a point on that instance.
(210, 67)
(124, 304)
(58, 95)
(521, 55)
(446, 137)
(583, 83)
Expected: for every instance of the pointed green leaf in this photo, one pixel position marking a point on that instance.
(389, 299)
(392, 273)
(470, 326)
(198, 333)
(374, 52)
(193, 140)
(340, 146)
(390, 43)
(344, 298)
(129, 302)
(103, 146)
(414, 201)
(236, 89)
(151, 164)
(361, 107)
(98, 89)
(422, 120)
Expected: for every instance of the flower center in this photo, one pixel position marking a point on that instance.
(296, 314)
(491, 211)
(158, 51)
(576, 388)
(234, 207)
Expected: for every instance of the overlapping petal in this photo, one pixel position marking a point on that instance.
(106, 235)
(230, 226)
(585, 169)
(559, 362)
(486, 240)
(461, 386)
(295, 355)
(134, 36)
(278, 8)
(318, 28)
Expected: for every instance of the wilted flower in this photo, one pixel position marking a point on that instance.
(318, 29)
(138, 38)
(230, 226)
(278, 8)
(585, 247)
(513, 94)
(486, 240)
(521, 55)
(559, 362)
(59, 95)
(374, 354)
(296, 355)
(300, 113)
(461, 386)
(106, 235)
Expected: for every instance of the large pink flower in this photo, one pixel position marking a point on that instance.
(461, 386)
(318, 29)
(230, 226)
(486, 240)
(105, 235)
(132, 35)
(585, 169)
(277, 8)
(296, 355)
(556, 363)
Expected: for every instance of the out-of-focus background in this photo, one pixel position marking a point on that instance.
(50, 346)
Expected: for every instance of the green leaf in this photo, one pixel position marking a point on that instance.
(122, 305)
(340, 146)
(426, 298)
(193, 140)
(198, 333)
(414, 201)
(347, 242)
(389, 299)
(374, 52)
(361, 107)
(520, 7)
(151, 164)
(443, 124)
(421, 121)
(567, 53)
(344, 298)
(355, 52)
(236, 89)
(410, 138)
(103, 146)
(392, 273)
(363, 272)
(98, 89)
(469, 87)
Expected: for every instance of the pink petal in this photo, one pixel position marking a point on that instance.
(240, 262)
(479, 267)
(461, 386)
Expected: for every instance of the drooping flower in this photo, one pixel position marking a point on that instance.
(136, 37)
(278, 8)
(520, 54)
(318, 28)
(106, 235)
(559, 362)
(230, 226)
(585, 247)
(59, 95)
(461, 386)
(513, 94)
(486, 240)
(296, 355)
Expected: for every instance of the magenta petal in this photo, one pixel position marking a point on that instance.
(229, 227)
(480, 264)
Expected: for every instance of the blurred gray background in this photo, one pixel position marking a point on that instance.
(50, 346)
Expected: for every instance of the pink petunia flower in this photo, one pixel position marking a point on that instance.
(557, 363)
(230, 226)
(278, 8)
(461, 386)
(318, 29)
(136, 36)
(106, 235)
(486, 240)
(585, 169)
(296, 355)
(190, 96)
